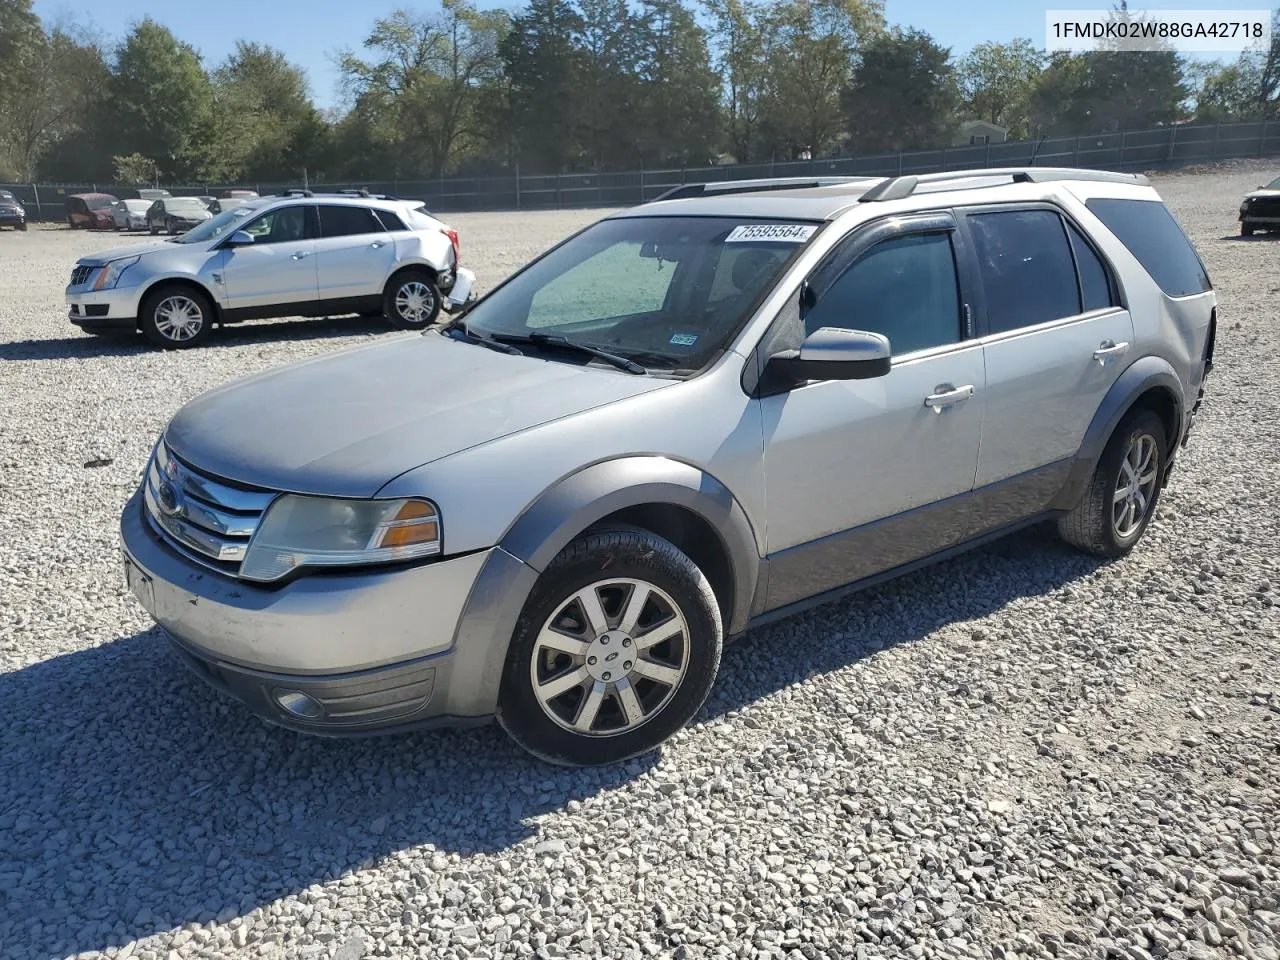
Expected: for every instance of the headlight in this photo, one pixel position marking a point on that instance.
(109, 275)
(303, 531)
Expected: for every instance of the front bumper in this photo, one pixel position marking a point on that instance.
(99, 309)
(375, 650)
(13, 219)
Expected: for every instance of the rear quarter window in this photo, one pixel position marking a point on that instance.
(1152, 235)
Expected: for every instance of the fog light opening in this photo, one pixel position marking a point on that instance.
(299, 704)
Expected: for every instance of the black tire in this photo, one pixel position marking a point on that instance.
(1092, 525)
(152, 228)
(22, 227)
(71, 223)
(1246, 231)
(153, 326)
(413, 284)
(596, 558)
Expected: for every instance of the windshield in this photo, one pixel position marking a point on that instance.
(6, 195)
(667, 292)
(222, 223)
(136, 206)
(98, 203)
(185, 205)
(1274, 184)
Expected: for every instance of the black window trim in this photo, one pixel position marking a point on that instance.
(980, 317)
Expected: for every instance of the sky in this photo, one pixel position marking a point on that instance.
(311, 32)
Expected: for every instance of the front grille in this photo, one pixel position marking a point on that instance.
(81, 275)
(1264, 207)
(209, 520)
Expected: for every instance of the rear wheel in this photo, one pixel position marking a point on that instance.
(1122, 496)
(616, 649)
(176, 317)
(411, 300)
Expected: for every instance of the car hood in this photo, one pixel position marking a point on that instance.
(1264, 192)
(347, 423)
(132, 250)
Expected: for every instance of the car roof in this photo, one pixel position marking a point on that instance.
(93, 196)
(826, 198)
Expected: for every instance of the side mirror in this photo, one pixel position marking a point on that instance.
(833, 353)
(240, 239)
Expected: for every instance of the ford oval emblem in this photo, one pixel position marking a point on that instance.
(170, 498)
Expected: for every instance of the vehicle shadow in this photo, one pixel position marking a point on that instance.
(126, 343)
(1263, 237)
(134, 799)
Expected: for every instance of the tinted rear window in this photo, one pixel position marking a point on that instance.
(1153, 236)
(390, 220)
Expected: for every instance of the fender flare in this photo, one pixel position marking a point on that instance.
(550, 523)
(1144, 374)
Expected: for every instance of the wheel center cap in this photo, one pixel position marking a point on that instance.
(611, 656)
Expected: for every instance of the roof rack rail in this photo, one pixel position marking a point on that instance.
(725, 187)
(896, 188)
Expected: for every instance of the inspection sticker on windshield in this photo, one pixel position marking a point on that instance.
(683, 339)
(781, 232)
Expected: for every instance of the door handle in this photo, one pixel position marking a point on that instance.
(301, 255)
(945, 395)
(378, 244)
(1108, 349)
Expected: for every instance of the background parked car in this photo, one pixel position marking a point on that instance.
(130, 214)
(1260, 209)
(239, 194)
(143, 193)
(210, 203)
(92, 211)
(12, 213)
(176, 215)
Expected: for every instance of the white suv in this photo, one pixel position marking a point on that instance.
(301, 254)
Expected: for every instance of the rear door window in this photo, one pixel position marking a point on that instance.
(344, 221)
(1028, 273)
(1096, 292)
(1153, 236)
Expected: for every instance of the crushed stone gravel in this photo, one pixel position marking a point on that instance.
(1022, 752)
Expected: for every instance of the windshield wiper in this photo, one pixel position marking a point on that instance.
(473, 337)
(555, 340)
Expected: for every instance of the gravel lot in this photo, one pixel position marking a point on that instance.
(1022, 752)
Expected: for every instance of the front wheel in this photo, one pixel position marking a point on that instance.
(177, 317)
(616, 649)
(411, 300)
(1246, 231)
(1121, 498)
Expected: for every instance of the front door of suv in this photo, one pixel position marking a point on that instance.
(278, 268)
(1055, 337)
(354, 254)
(865, 475)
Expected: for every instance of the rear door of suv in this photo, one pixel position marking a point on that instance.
(1055, 337)
(354, 253)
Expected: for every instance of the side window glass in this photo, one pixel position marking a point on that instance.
(1153, 236)
(282, 225)
(389, 220)
(1027, 271)
(905, 288)
(336, 221)
(1095, 288)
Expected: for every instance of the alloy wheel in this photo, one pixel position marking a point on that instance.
(414, 302)
(610, 657)
(1136, 485)
(179, 318)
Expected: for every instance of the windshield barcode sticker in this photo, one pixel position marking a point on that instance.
(780, 232)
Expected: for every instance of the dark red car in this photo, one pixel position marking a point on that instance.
(89, 210)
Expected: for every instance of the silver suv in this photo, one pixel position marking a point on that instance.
(301, 254)
(690, 418)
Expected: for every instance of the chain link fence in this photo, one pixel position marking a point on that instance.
(1160, 148)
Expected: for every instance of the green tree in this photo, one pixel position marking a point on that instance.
(996, 81)
(903, 94)
(609, 51)
(52, 86)
(1108, 91)
(418, 94)
(810, 48)
(740, 60)
(159, 101)
(1248, 89)
(544, 71)
(679, 93)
